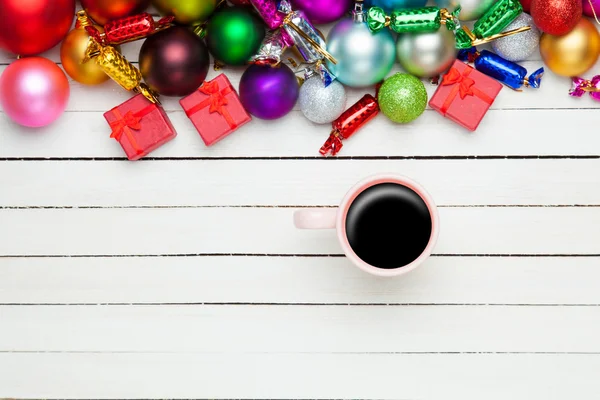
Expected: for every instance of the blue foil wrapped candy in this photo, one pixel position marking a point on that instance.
(508, 72)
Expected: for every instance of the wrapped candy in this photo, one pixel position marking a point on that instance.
(581, 86)
(430, 19)
(271, 50)
(349, 122)
(497, 18)
(119, 69)
(296, 29)
(129, 29)
(508, 72)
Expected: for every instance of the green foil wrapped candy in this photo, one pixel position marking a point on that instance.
(415, 20)
(497, 18)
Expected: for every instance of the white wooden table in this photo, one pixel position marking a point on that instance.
(182, 276)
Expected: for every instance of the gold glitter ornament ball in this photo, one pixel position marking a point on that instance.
(574, 53)
(402, 98)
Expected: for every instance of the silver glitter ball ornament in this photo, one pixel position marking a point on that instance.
(363, 58)
(322, 104)
(426, 54)
(471, 10)
(518, 47)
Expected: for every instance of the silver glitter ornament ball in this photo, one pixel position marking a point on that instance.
(426, 54)
(518, 47)
(322, 104)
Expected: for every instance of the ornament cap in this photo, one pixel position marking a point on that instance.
(83, 20)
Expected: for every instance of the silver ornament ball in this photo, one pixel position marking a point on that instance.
(471, 10)
(322, 104)
(518, 47)
(426, 54)
(363, 58)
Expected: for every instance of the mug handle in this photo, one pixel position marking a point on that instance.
(316, 218)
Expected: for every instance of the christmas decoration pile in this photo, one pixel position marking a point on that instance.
(360, 51)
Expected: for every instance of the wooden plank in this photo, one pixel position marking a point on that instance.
(270, 231)
(299, 329)
(86, 134)
(299, 376)
(291, 182)
(297, 280)
(553, 94)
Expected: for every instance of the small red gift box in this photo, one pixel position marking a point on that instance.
(140, 126)
(465, 95)
(215, 110)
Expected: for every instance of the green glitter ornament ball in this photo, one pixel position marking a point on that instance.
(233, 35)
(402, 98)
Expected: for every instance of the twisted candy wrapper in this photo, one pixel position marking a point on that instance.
(430, 19)
(416, 20)
(119, 69)
(581, 86)
(349, 122)
(310, 44)
(508, 72)
(271, 50)
(497, 17)
(128, 29)
(267, 9)
(296, 30)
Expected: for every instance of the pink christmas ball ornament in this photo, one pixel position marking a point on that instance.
(34, 91)
(590, 7)
(323, 11)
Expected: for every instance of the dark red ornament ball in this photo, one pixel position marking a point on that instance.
(556, 17)
(174, 62)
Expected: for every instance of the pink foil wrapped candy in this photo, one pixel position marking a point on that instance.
(581, 86)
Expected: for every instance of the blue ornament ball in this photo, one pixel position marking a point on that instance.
(363, 58)
(391, 5)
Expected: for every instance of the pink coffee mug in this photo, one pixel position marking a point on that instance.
(335, 218)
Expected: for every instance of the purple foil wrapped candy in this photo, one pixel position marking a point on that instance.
(267, 9)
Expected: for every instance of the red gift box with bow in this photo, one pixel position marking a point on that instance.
(465, 95)
(140, 126)
(215, 110)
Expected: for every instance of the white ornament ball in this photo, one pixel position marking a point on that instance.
(426, 54)
(322, 104)
(518, 47)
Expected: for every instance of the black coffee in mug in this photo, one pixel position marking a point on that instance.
(388, 225)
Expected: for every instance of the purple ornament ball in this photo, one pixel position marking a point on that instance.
(323, 11)
(267, 92)
(588, 10)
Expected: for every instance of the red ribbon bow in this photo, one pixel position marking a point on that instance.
(125, 123)
(464, 86)
(465, 83)
(217, 98)
(217, 101)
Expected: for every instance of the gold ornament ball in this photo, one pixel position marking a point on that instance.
(72, 52)
(186, 12)
(574, 53)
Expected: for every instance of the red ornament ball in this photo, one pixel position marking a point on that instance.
(556, 17)
(103, 11)
(34, 26)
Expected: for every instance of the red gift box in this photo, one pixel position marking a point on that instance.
(140, 126)
(215, 110)
(465, 95)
